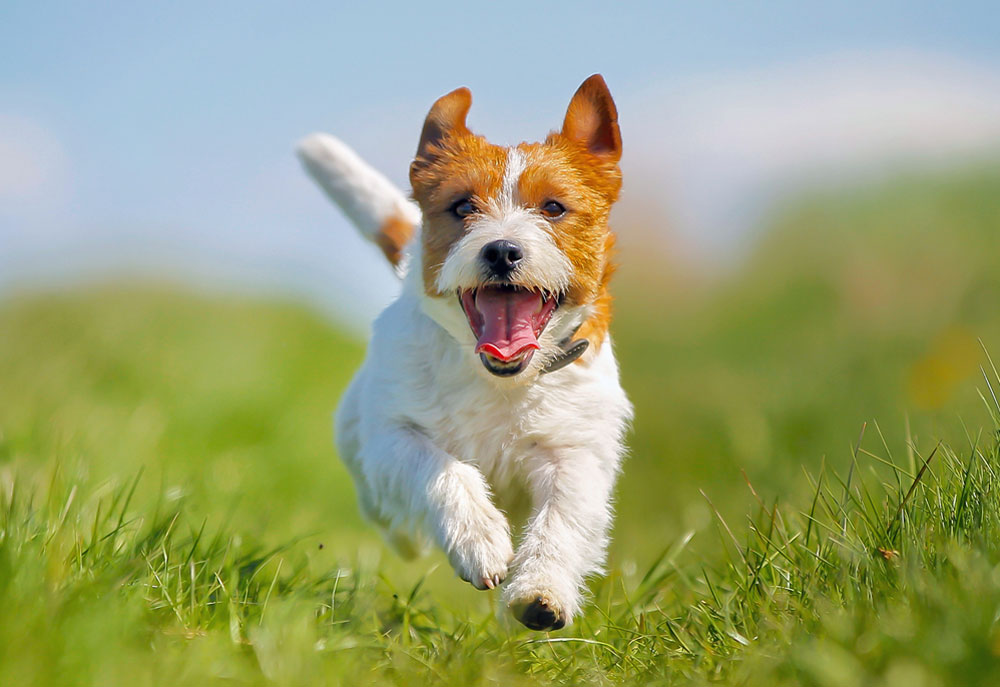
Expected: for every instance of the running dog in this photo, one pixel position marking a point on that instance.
(490, 381)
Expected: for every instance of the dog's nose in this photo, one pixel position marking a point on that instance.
(501, 257)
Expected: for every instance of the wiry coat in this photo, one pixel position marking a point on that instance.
(433, 440)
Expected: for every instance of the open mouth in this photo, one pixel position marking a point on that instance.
(507, 321)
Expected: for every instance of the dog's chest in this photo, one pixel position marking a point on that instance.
(425, 377)
(479, 424)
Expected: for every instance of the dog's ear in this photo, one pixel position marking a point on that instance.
(592, 120)
(446, 118)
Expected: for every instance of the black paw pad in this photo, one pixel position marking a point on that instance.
(539, 615)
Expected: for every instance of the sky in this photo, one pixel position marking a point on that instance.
(157, 139)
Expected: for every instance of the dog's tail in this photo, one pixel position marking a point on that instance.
(377, 208)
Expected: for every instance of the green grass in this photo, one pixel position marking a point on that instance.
(171, 510)
(883, 576)
(853, 307)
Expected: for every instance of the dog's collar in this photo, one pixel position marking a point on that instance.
(571, 350)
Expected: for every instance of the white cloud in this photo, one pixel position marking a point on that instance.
(724, 146)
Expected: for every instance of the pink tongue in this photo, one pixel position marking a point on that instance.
(508, 322)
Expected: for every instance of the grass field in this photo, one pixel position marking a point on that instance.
(172, 512)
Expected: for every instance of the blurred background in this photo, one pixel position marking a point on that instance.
(809, 232)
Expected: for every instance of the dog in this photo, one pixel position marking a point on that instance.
(490, 384)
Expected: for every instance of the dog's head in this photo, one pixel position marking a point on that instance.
(515, 248)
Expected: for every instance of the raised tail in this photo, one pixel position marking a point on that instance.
(374, 204)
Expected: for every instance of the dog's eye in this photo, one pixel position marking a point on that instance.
(462, 208)
(552, 209)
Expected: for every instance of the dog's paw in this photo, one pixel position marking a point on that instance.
(481, 550)
(540, 613)
(541, 606)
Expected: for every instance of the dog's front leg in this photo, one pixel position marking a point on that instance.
(414, 480)
(565, 540)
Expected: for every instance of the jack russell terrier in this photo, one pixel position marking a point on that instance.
(490, 384)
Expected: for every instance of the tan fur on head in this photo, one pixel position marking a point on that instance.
(577, 167)
(453, 165)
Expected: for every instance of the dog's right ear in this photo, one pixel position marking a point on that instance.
(446, 118)
(592, 120)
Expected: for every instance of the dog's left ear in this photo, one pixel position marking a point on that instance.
(592, 120)
(446, 118)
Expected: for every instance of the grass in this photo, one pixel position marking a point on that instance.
(853, 307)
(885, 572)
(171, 511)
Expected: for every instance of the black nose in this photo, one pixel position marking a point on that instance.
(501, 257)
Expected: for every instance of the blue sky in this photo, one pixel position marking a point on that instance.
(159, 138)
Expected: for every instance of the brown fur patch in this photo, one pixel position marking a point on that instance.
(586, 186)
(393, 236)
(595, 328)
(558, 170)
(465, 165)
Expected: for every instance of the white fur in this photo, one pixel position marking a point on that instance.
(516, 164)
(362, 192)
(431, 438)
(544, 265)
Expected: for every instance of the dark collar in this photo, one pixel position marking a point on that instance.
(571, 350)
